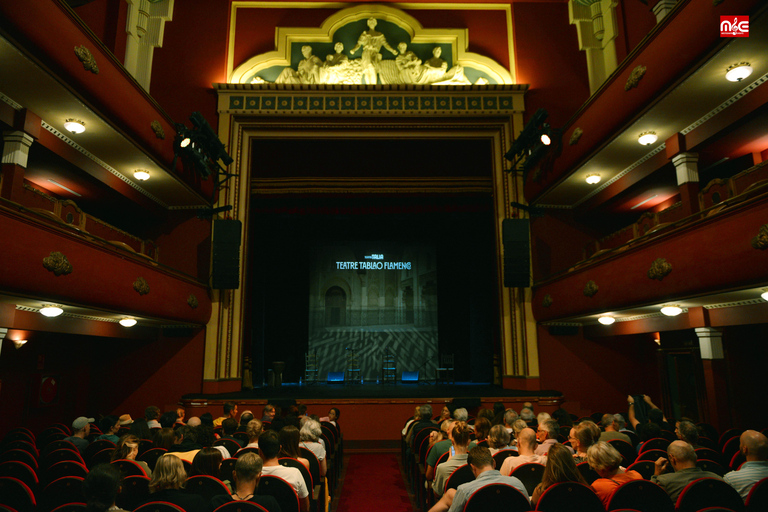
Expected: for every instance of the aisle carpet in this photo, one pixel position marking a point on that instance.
(373, 483)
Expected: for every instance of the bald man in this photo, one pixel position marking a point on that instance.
(526, 445)
(754, 446)
(682, 457)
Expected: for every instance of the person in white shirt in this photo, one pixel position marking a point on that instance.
(269, 449)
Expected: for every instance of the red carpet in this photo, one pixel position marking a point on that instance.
(373, 483)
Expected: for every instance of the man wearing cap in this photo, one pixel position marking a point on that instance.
(81, 427)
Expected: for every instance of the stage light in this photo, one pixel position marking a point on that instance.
(74, 125)
(647, 138)
(593, 179)
(51, 310)
(738, 72)
(606, 320)
(141, 174)
(671, 310)
(185, 142)
(127, 322)
(545, 139)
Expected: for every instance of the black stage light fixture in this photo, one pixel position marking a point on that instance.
(532, 143)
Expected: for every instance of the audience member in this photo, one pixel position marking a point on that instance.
(230, 411)
(687, 431)
(168, 419)
(151, 414)
(482, 427)
(487, 414)
(644, 412)
(498, 439)
(542, 417)
(101, 487)
(606, 461)
(180, 414)
(268, 414)
(424, 422)
(518, 426)
(754, 446)
(526, 445)
(510, 415)
(682, 458)
(333, 416)
(528, 417)
(128, 448)
(164, 438)
(582, 436)
(247, 474)
(441, 445)
(560, 468)
(140, 429)
(460, 414)
(125, 420)
(109, 426)
(646, 432)
(459, 444)
(245, 417)
(546, 435)
(254, 431)
(167, 484)
(194, 421)
(498, 413)
(208, 462)
(481, 462)
(269, 449)
(415, 418)
(228, 428)
(81, 427)
(610, 423)
(445, 414)
(562, 417)
(310, 435)
(289, 444)
(185, 446)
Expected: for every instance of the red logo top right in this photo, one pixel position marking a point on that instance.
(734, 26)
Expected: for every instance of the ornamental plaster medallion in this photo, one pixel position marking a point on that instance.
(659, 269)
(761, 240)
(57, 263)
(575, 136)
(141, 286)
(634, 77)
(158, 129)
(590, 289)
(547, 301)
(85, 56)
(192, 301)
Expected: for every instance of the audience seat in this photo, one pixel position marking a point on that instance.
(20, 456)
(727, 435)
(589, 474)
(737, 460)
(63, 468)
(712, 466)
(500, 455)
(71, 507)
(159, 506)
(96, 446)
(16, 494)
(530, 474)
(730, 447)
(48, 436)
(101, 457)
(644, 467)
(240, 506)
(22, 444)
(625, 449)
(460, 475)
(67, 489)
(569, 497)
(708, 492)
(308, 480)
(205, 486)
(134, 491)
(281, 490)
(151, 456)
(227, 469)
(145, 445)
(129, 468)
(706, 453)
(231, 445)
(757, 500)
(497, 497)
(241, 451)
(59, 456)
(641, 495)
(657, 443)
(652, 455)
(707, 443)
(22, 471)
(59, 444)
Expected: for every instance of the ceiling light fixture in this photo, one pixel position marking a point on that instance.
(647, 138)
(141, 174)
(738, 72)
(74, 125)
(606, 319)
(764, 295)
(593, 178)
(127, 322)
(51, 310)
(671, 310)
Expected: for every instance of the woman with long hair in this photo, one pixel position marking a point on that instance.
(560, 468)
(482, 428)
(498, 439)
(289, 444)
(208, 462)
(100, 488)
(167, 484)
(164, 438)
(128, 448)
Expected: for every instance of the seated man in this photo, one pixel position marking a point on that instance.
(185, 446)
(230, 411)
(81, 427)
(481, 462)
(682, 458)
(687, 431)
(247, 474)
(269, 449)
(268, 414)
(229, 427)
(611, 425)
(526, 445)
(424, 422)
(546, 434)
(754, 446)
(442, 443)
(460, 444)
(151, 414)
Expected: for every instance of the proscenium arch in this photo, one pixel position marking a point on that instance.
(239, 125)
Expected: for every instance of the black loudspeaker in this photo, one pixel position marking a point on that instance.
(226, 254)
(515, 234)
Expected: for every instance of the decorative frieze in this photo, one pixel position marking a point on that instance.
(141, 286)
(57, 263)
(660, 269)
(85, 56)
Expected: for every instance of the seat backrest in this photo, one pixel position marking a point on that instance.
(712, 466)
(530, 474)
(706, 453)
(708, 492)
(644, 467)
(60, 455)
(57, 444)
(589, 474)
(159, 506)
(20, 456)
(657, 443)
(240, 506)
(294, 463)
(227, 469)
(758, 496)
(71, 507)
(642, 495)
(314, 463)
(731, 446)
(728, 434)
(231, 445)
(500, 455)
(22, 444)
(569, 497)
(625, 449)
(17, 494)
(129, 467)
(442, 458)
(205, 486)
(96, 446)
(67, 489)
(150, 456)
(134, 491)
(652, 455)
(419, 436)
(22, 471)
(460, 475)
(281, 490)
(246, 449)
(737, 460)
(101, 457)
(497, 497)
(63, 468)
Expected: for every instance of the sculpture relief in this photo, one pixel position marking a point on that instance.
(338, 68)
(590, 289)
(660, 269)
(57, 263)
(141, 286)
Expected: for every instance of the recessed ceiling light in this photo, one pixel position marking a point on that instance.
(592, 179)
(738, 72)
(74, 125)
(647, 138)
(127, 322)
(141, 174)
(606, 319)
(51, 310)
(671, 310)
(764, 295)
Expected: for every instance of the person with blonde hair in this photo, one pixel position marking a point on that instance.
(560, 468)
(167, 484)
(459, 435)
(128, 448)
(247, 474)
(606, 461)
(310, 439)
(582, 436)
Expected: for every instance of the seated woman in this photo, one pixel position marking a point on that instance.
(164, 438)
(582, 436)
(498, 439)
(100, 488)
(560, 468)
(606, 460)
(167, 484)
(254, 430)
(208, 462)
(310, 434)
(482, 428)
(128, 448)
(517, 426)
(289, 444)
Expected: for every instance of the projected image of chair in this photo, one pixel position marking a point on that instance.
(388, 368)
(310, 368)
(444, 372)
(353, 373)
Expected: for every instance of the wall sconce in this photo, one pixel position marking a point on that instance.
(19, 343)
(671, 310)
(647, 138)
(593, 178)
(74, 125)
(127, 322)
(51, 310)
(606, 319)
(738, 72)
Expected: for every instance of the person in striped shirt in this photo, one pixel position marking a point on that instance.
(754, 446)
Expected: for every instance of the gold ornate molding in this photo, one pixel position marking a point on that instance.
(85, 56)
(141, 286)
(590, 289)
(634, 77)
(547, 301)
(192, 301)
(158, 129)
(761, 240)
(659, 269)
(575, 136)
(57, 263)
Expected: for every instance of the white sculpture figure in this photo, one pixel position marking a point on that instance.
(308, 70)
(334, 59)
(371, 41)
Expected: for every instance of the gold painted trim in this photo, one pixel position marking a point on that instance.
(371, 185)
(391, 12)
